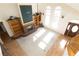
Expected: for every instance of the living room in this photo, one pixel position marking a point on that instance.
(39, 29)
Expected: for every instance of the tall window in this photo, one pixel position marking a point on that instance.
(47, 15)
(56, 18)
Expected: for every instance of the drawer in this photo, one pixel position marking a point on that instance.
(18, 32)
(13, 22)
(17, 29)
(15, 26)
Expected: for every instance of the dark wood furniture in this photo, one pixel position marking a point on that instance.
(69, 28)
(16, 27)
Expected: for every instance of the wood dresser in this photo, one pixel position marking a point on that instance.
(16, 27)
(36, 20)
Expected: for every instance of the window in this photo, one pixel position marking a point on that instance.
(57, 15)
(47, 15)
(57, 11)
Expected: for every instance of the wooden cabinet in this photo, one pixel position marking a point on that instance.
(16, 27)
(36, 20)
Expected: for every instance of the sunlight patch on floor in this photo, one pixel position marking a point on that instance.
(46, 40)
(48, 37)
(42, 45)
(63, 43)
(38, 34)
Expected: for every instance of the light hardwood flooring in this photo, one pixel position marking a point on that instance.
(14, 49)
(56, 49)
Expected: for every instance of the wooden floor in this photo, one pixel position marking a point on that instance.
(73, 46)
(13, 48)
(56, 49)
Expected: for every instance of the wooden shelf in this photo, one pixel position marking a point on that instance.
(36, 20)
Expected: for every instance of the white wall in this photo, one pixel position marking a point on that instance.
(68, 12)
(8, 9)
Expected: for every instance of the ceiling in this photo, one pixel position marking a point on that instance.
(74, 5)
